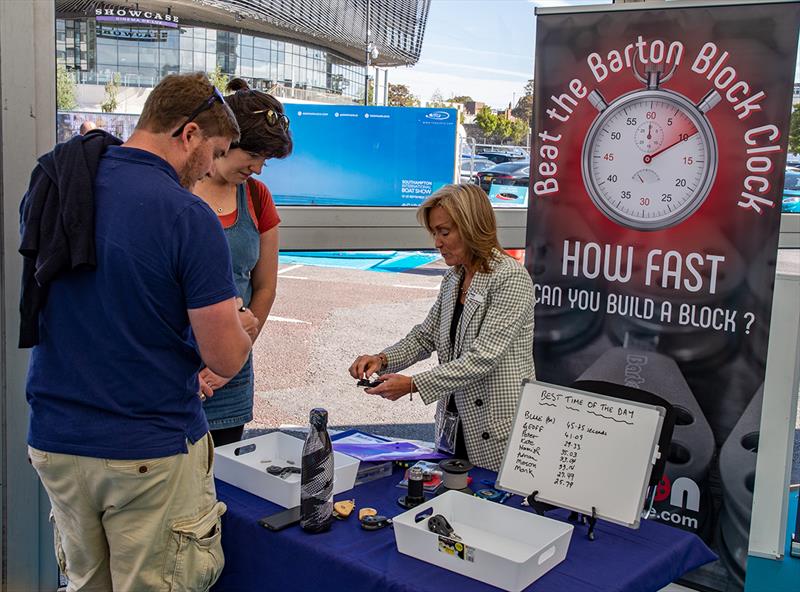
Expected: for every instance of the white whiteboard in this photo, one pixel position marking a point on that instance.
(581, 449)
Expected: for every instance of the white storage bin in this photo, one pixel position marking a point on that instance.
(248, 469)
(501, 546)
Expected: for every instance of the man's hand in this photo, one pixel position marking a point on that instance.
(213, 381)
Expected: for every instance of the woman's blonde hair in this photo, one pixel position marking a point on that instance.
(472, 213)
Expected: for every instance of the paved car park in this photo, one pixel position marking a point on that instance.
(321, 320)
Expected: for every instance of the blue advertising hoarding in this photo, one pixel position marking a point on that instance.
(364, 156)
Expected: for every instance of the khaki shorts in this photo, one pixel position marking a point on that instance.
(135, 525)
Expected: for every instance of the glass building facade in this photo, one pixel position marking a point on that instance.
(94, 51)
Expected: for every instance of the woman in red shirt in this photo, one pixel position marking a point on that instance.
(245, 208)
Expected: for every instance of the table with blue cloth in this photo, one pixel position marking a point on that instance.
(350, 559)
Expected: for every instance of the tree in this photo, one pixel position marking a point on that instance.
(462, 99)
(487, 121)
(519, 131)
(66, 89)
(400, 96)
(794, 130)
(503, 130)
(529, 87)
(112, 90)
(524, 107)
(218, 78)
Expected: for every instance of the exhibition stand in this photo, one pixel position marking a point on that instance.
(350, 558)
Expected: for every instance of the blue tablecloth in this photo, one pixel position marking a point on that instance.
(349, 559)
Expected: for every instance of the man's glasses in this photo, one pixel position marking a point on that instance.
(204, 106)
(274, 118)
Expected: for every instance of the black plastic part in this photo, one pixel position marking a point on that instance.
(375, 522)
(281, 520)
(538, 507)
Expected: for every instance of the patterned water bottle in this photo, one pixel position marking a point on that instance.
(316, 480)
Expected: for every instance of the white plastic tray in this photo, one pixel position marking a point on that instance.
(501, 546)
(244, 464)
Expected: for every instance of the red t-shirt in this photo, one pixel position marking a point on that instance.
(269, 213)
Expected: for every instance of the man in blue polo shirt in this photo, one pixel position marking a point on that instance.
(117, 431)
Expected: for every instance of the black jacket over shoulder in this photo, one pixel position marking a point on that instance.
(57, 222)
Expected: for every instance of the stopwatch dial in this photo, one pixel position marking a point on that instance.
(648, 161)
(649, 137)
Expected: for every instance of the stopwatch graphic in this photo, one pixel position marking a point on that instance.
(650, 156)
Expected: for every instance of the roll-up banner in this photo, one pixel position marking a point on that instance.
(660, 149)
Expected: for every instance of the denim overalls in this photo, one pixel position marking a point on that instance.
(232, 405)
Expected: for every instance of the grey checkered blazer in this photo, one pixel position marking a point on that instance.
(493, 353)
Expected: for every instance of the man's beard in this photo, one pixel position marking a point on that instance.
(190, 173)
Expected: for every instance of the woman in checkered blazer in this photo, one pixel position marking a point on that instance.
(481, 327)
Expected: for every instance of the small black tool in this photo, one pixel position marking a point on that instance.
(375, 522)
(282, 472)
(281, 519)
(438, 524)
(367, 383)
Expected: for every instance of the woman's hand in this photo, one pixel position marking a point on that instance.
(211, 382)
(365, 366)
(392, 386)
(248, 320)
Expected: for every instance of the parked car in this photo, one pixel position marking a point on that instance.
(471, 166)
(508, 173)
(500, 157)
(791, 191)
(793, 160)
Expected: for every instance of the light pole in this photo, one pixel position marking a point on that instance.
(370, 51)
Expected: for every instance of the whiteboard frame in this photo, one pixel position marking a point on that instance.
(653, 456)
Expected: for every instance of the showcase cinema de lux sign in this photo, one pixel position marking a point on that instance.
(118, 14)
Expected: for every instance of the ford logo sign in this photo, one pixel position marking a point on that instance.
(438, 115)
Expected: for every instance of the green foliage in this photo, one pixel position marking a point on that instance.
(486, 121)
(524, 109)
(519, 131)
(219, 79)
(66, 89)
(462, 99)
(499, 129)
(112, 90)
(794, 130)
(400, 96)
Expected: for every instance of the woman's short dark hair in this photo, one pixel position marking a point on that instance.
(256, 135)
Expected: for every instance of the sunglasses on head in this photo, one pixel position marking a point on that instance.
(274, 118)
(204, 106)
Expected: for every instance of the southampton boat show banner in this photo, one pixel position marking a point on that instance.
(364, 156)
(653, 228)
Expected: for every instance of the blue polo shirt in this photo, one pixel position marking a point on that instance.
(115, 372)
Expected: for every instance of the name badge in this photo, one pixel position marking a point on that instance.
(474, 296)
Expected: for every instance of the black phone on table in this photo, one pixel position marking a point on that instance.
(282, 519)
